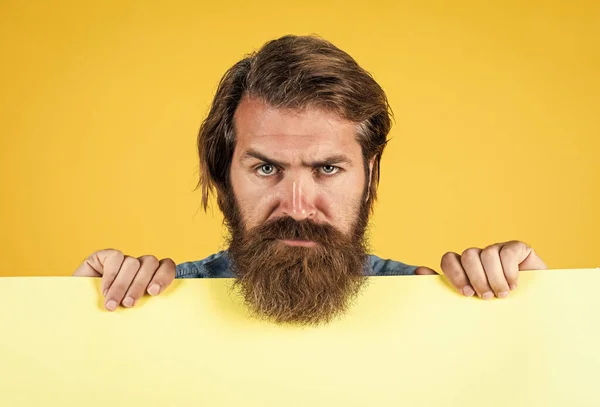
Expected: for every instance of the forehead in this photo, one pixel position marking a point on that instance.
(293, 134)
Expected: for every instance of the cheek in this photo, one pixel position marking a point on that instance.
(253, 199)
(341, 205)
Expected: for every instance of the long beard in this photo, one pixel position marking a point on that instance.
(298, 285)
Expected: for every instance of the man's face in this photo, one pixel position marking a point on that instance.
(305, 165)
(298, 212)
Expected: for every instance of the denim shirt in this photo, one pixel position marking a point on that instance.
(217, 266)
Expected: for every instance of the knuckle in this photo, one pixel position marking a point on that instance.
(447, 261)
(115, 253)
(153, 262)
(131, 262)
(471, 253)
(169, 262)
(480, 285)
(477, 280)
(170, 266)
(488, 255)
(498, 284)
(515, 246)
(118, 290)
(136, 290)
(507, 254)
(120, 286)
(92, 259)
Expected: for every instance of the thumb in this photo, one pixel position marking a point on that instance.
(93, 265)
(87, 269)
(531, 261)
(424, 271)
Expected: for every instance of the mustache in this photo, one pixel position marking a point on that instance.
(287, 228)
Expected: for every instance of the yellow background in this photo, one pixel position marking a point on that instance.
(496, 135)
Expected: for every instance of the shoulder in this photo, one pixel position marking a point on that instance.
(389, 267)
(217, 266)
(214, 266)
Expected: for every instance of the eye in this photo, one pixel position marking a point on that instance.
(266, 170)
(330, 169)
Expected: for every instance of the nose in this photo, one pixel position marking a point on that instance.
(298, 201)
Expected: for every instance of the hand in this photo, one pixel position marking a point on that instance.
(489, 272)
(125, 279)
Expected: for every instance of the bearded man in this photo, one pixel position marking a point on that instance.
(291, 149)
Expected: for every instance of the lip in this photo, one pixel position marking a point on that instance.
(301, 243)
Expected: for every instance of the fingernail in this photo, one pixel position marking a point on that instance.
(111, 305)
(128, 302)
(487, 295)
(513, 286)
(468, 291)
(153, 289)
(503, 294)
(104, 292)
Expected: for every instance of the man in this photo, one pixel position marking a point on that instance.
(292, 148)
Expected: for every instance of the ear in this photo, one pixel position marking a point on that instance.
(371, 164)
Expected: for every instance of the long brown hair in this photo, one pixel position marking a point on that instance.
(293, 72)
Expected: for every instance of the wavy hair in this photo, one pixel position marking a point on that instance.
(293, 72)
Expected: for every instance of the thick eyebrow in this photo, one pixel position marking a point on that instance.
(331, 160)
